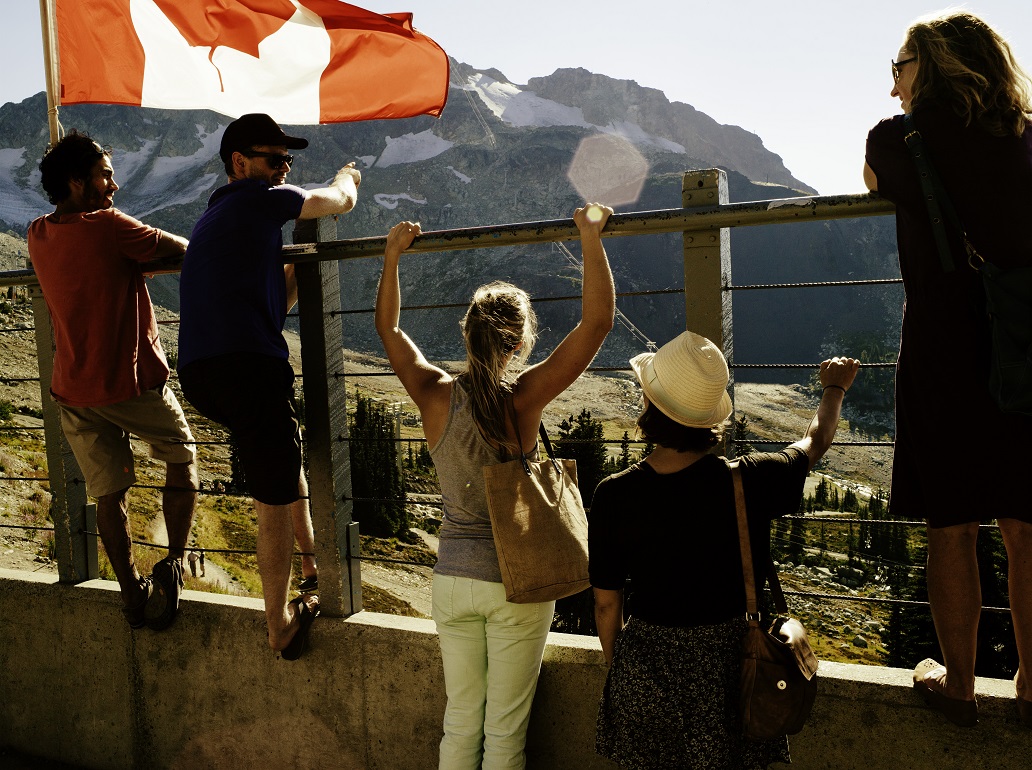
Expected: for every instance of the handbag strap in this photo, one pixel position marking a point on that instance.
(511, 403)
(744, 544)
(937, 201)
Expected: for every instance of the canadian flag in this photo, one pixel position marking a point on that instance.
(301, 61)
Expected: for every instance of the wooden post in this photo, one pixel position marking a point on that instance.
(326, 426)
(707, 270)
(72, 515)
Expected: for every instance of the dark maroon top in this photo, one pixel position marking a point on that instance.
(955, 450)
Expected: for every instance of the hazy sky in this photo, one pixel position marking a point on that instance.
(810, 78)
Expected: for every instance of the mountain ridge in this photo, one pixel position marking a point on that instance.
(503, 153)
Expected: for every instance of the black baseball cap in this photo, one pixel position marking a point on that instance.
(254, 129)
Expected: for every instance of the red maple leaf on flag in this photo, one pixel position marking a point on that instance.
(239, 24)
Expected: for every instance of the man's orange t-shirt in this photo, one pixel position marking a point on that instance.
(88, 265)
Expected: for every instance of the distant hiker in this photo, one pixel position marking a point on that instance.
(970, 103)
(202, 563)
(109, 369)
(235, 292)
(491, 648)
(193, 558)
(671, 697)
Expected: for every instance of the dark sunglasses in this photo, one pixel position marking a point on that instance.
(897, 64)
(275, 159)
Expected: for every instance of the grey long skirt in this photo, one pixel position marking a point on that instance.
(671, 701)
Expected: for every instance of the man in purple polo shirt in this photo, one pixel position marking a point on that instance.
(235, 292)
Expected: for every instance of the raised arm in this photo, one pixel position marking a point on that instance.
(428, 385)
(837, 375)
(539, 384)
(338, 198)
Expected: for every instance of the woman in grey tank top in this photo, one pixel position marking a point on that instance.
(491, 649)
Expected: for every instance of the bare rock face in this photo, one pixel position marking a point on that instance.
(499, 153)
(608, 101)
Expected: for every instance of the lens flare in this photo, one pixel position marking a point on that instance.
(608, 169)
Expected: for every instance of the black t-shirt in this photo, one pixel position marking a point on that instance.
(676, 535)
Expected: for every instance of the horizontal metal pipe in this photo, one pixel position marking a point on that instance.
(747, 214)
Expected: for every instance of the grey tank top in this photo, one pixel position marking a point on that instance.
(466, 546)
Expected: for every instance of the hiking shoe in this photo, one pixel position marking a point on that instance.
(309, 585)
(163, 605)
(135, 615)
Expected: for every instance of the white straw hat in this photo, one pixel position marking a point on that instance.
(687, 381)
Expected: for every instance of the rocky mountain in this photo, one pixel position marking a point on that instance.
(502, 152)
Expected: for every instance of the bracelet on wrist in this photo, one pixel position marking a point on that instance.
(835, 386)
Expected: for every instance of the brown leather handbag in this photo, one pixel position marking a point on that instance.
(779, 670)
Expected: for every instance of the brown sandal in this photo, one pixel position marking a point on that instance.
(1024, 707)
(136, 616)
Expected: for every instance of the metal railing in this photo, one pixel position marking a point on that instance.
(704, 227)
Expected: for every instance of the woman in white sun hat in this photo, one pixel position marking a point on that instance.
(671, 696)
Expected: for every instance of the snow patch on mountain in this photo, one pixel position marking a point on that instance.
(524, 109)
(18, 204)
(462, 177)
(391, 201)
(154, 182)
(412, 148)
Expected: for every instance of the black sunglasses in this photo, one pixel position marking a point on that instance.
(275, 159)
(897, 64)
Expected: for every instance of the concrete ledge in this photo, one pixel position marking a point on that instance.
(78, 686)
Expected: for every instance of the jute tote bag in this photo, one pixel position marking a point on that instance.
(540, 529)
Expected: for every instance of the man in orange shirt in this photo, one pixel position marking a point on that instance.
(109, 369)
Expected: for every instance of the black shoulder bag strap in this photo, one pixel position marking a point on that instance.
(937, 201)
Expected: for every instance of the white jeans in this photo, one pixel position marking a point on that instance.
(492, 656)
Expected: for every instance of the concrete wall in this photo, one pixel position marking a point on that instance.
(76, 685)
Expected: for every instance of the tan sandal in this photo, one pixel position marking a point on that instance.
(960, 712)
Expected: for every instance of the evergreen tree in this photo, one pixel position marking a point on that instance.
(580, 438)
(822, 495)
(739, 432)
(909, 634)
(625, 452)
(997, 657)
(375, 475)
(797, 540)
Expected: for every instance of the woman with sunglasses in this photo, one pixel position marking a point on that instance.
(970, 101)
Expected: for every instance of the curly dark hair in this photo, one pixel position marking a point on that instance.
(660, 429)
(73, 157)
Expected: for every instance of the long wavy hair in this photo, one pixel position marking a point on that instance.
(499, 322)
(963, 62)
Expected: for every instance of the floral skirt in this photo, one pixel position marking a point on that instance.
(671, 701)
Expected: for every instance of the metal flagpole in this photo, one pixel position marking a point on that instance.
(48, 18)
